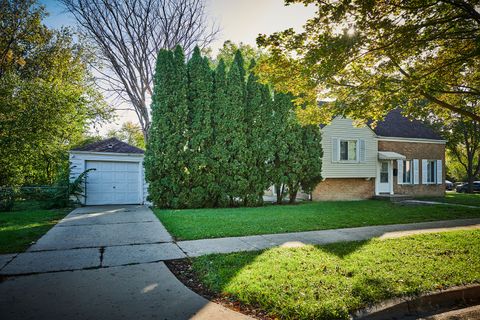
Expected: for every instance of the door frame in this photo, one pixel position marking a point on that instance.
(390, 177)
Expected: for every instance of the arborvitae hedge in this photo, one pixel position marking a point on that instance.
(221, 138)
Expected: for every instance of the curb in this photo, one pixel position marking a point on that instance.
(420, 306)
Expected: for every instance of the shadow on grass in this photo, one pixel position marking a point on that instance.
(331, 281)
(13, 241)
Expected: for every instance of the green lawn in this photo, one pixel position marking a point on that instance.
(27, 223)
(331, 281)
(459, 198)
(214, 223)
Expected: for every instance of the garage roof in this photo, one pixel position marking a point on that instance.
(109, 145)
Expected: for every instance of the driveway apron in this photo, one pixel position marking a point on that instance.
(103, 262)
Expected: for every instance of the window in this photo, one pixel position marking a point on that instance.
(384, 172)
(408, 171)
(348, 150)
(431, 171)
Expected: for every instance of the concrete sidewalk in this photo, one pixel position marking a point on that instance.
(194, 248)
(101, 263)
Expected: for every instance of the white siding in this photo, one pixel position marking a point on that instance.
(78, 164)
(341, 128)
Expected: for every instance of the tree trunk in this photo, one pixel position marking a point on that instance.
(279, 191)
(471, 178)
(292, 195)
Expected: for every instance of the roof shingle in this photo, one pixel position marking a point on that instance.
(110, 145)
(396, 125)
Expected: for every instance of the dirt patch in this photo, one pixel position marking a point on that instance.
(182, 269)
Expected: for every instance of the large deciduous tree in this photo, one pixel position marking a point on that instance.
(129, 35)
(47, 98)
(372, 56)
(463, 145)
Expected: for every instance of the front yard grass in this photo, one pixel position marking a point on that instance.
(227, 222)
(470, 199)
(27, 223)
(332, 281)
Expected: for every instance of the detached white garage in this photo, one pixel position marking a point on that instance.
(117, 177)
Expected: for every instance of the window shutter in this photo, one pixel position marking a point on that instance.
(439, 172)
(362, 150)
(399, 171)
(334, 150)
(416, 172)
(424, 171)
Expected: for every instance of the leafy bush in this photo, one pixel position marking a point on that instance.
(7, 199)
(60, 195)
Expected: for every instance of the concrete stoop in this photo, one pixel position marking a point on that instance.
(393, 197)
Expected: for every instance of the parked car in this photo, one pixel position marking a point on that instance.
(464, 187)
(449, 185)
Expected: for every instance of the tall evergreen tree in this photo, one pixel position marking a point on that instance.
(219, 140)
(166, 157)
(257, 120)
(297, 161)
(234, 132)
(311, 161)
(219, 156)
(201, 130)
(282, 112)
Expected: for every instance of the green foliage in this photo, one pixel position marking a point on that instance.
(59, 195)
(228, 50)
(373, 56)
(463, 142)
(130, 133)
(47, 97)
(200, 131)
(211, 141)
(7, 199)
(334, 280)
(166, 157)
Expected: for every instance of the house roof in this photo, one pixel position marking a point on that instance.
(110, 145)
(397, 125)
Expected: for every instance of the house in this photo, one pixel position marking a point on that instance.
(396, 157)
(117, 175)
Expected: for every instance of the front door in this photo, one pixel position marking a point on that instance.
(384, 177)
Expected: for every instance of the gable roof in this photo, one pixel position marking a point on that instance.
(399, 126)
(110, 145)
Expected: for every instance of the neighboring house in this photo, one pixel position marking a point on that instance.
(118, 178)
(397, 157)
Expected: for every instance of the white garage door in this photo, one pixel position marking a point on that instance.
(113, 183)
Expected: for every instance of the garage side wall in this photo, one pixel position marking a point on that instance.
(78, 165)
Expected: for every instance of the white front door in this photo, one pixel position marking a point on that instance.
(384, 177)
(113, 183)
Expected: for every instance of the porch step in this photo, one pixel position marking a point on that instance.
(393, 197)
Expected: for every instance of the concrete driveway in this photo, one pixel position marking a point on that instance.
(102, 263)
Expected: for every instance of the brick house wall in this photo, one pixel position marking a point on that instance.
(417, 150)
(344, 189)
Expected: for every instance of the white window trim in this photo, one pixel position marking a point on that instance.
(435, 178)
(357, 150)
(411, 172)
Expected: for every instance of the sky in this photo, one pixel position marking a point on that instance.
(239, 21)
